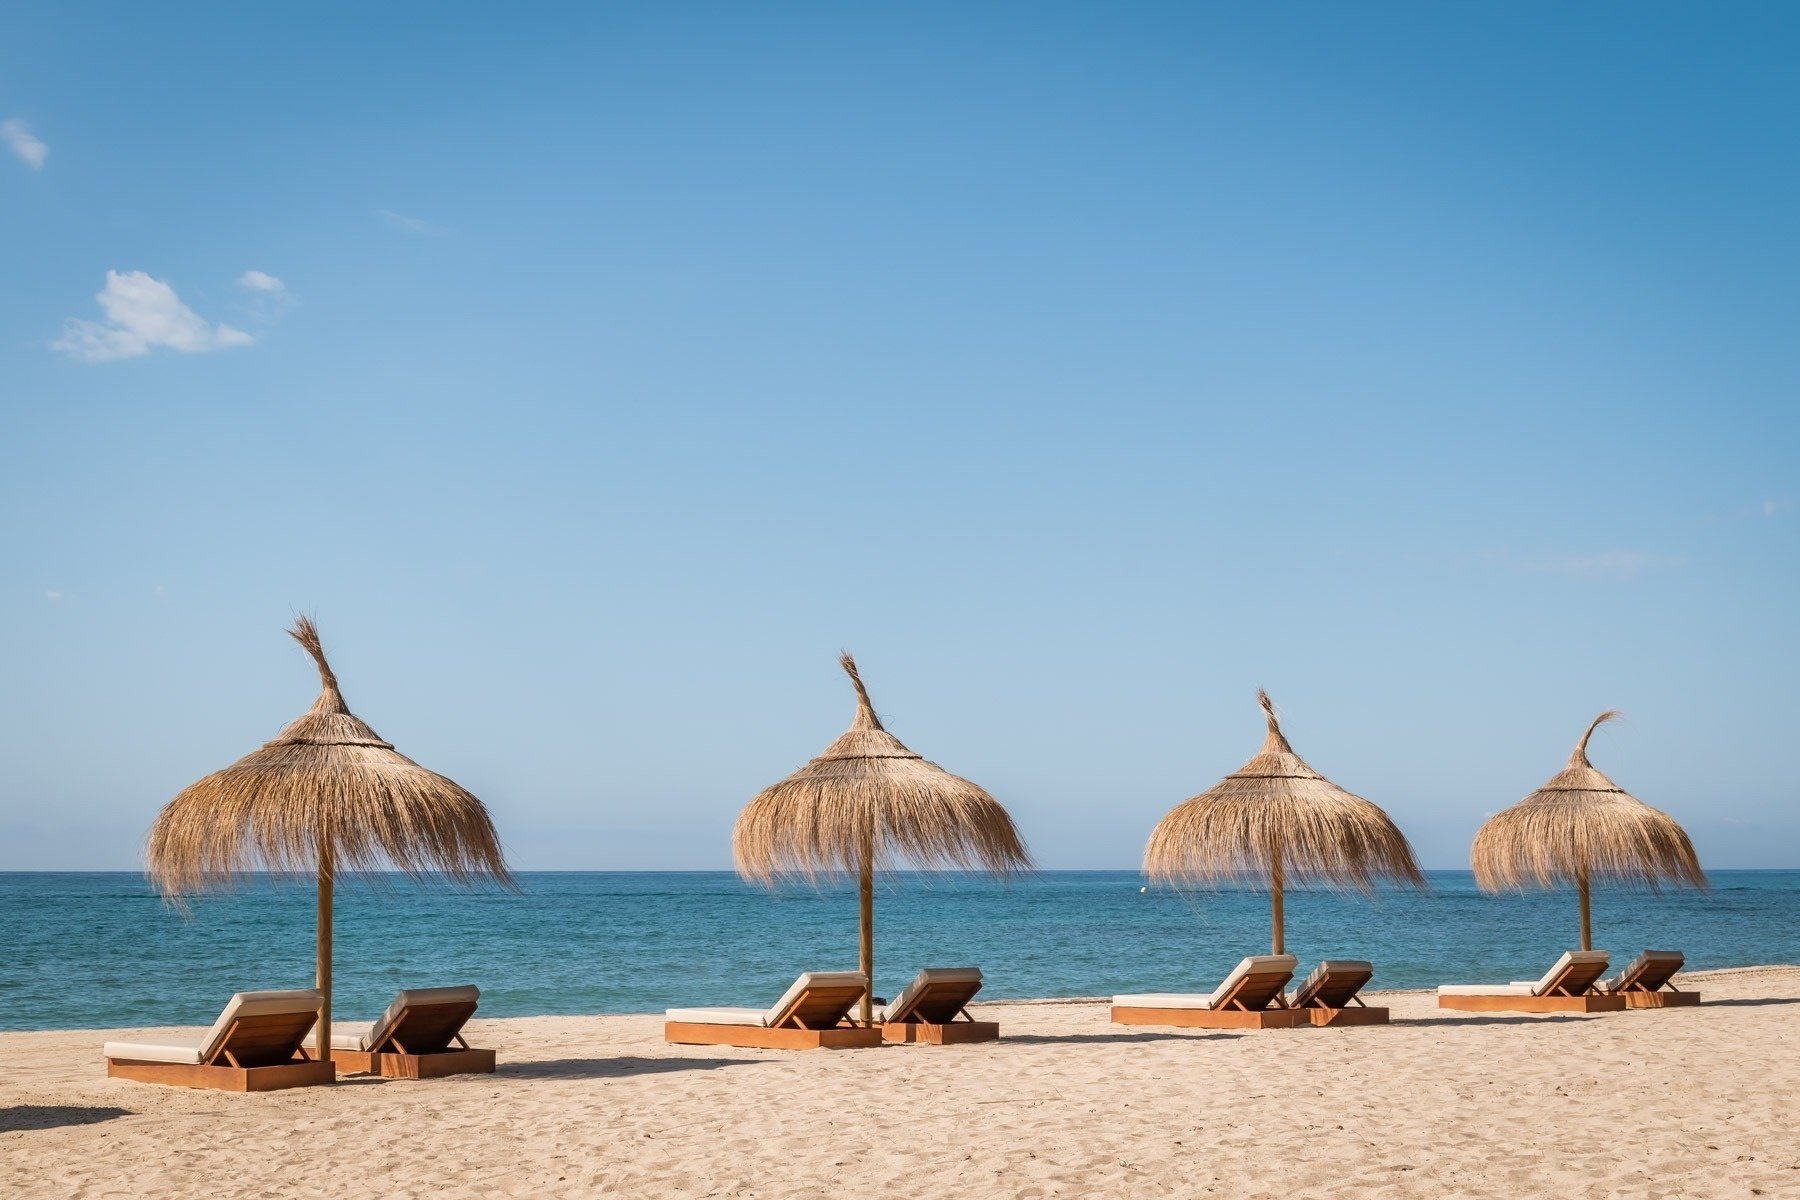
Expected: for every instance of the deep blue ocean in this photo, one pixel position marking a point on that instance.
(97, 950)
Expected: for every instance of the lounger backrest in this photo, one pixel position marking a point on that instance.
(936, 995)
(262, 1028)
(1333, 983)
(423, 1020)
(818, 1000)
(1573, 975)
(1649, 971)
(1254, 982)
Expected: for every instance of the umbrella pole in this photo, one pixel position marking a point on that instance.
(1277, 925)
(865, 958)
(323, 961)
(1587, 924)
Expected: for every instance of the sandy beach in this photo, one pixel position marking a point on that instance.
(1689, 1103)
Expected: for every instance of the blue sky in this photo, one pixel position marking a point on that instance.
(594, 374)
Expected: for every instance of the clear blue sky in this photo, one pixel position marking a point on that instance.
(596, 373)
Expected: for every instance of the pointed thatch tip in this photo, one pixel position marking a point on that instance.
(1276, 739)
(865, 708)
(331, 698)
(1578, 757)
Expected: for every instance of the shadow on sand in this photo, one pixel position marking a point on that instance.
(615, 1068)
(19, 1117)
(1110, 1039)
(1750, 1002)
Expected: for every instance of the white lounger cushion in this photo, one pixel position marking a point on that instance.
(243, 1004)
(1526, 987)
(1256, 964)
(1641, 963)
(924, 979)
(772, 1014)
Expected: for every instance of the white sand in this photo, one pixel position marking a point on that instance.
(1673, 1103)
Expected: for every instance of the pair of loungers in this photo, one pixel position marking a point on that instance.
(262, 1041)
(1574, 984)
(814, 1014)
(1252, 997)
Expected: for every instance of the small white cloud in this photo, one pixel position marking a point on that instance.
(407, 224)
(25, 145)
(53, 595)
(1608, 564)
(261, 281)
(141, 314)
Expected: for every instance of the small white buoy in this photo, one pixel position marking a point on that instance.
(1142, 890)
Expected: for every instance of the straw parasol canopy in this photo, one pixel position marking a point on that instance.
(327, 795)
(1579, 827)
(1276, 820)
(866, 804)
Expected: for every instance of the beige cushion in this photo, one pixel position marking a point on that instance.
(1641, 964)
(1487, 989)
(924, 979)
(1569, 959)
(1256, 964)
(243, 1004)
(716, 1016)
(1163, 1000)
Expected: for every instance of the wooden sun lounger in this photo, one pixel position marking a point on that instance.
(1568, 986)
(927, 1011)
(418, 1037)
(1329, 996)
(254, 1046)
(1646, 981)
(812, 1015)
(1250, 998)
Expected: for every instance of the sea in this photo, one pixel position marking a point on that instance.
(103, 950)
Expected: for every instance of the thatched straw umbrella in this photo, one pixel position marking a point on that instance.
(327, 795)
(1579, 827)
(864, 805)
(1273, 821)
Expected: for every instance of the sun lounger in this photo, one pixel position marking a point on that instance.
(1645, 982)
(418, 1037)
(1568, 986)
(928, 1010)
(811, 1015)
(1250, 998)
(1329, 996)
(254, 1046)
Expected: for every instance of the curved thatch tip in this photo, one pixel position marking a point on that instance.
(1581, 827)
(1578, 757)
(331, 698)
(865, 708)
(1276, 739)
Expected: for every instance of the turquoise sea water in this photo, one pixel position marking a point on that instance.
(101, 950)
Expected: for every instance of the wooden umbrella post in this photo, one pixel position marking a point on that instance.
(865, 958)
(323, 961)
(1587, 924)
(1278, 940)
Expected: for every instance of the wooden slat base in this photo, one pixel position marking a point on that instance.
(415, 1066)
(224, 1079)
(1210, 1018)
(756, 1037)
(1592, 1003)
(956, 1033)
(1354, 1015)
(1660, 999)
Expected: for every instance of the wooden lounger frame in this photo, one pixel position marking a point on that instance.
(436, 1025)
(961, 1029)
(1659, 999)
(1229, 1013)
(248, 1059)
(814, 1021)
(1355, 1013)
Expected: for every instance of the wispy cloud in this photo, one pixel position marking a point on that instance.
(1607, 564)
(26, 146)
(142, 314)
(266, 297)
(53, 595)
(261, 281)
(405, 223)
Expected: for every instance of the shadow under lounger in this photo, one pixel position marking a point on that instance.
(254, 1046)
(1250, 998)
(1568, 986)
(813, 1014)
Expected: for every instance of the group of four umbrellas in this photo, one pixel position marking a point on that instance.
(328, 795)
